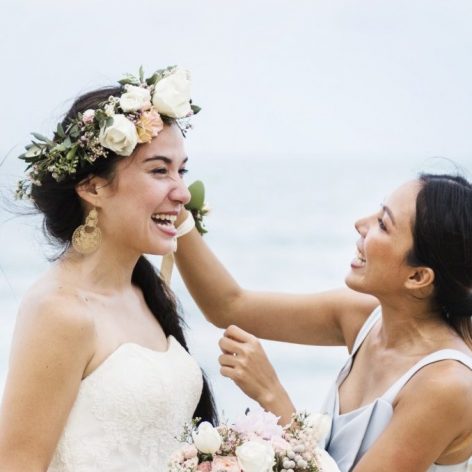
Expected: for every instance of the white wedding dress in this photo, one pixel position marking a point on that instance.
(129, 411)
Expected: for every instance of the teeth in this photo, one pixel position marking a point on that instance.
(164, 217)
(359, 255)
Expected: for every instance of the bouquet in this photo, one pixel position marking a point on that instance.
(255, 443)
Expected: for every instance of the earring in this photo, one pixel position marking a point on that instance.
(87, 237)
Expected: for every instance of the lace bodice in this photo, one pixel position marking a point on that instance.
(129, 411)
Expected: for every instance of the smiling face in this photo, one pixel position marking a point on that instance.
(138, 208)
(380, 267)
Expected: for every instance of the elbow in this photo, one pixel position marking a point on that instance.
(225, 312)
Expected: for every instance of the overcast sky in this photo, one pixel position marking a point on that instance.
(324, 77)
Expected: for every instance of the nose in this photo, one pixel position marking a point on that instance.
(180, 193)
(362, 226)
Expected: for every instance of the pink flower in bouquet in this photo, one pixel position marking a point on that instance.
(280, 444)
(204, 467)
(225, 464)
(189, 451)
(261, 423)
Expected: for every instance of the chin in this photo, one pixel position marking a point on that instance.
(354, 283)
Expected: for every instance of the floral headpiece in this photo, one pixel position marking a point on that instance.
(119, 124)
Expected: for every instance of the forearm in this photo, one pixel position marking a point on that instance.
(210, 284)
(278, 402)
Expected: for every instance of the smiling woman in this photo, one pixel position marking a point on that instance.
(403, 401)
(99, 360)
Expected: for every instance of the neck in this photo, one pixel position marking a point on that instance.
(108, 269)
(411, 324)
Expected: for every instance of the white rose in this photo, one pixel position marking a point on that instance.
(325, 461)
(135, 98)
(206, 439)
(320, 425)
(172, 94)
(255, 456)
(121, 136)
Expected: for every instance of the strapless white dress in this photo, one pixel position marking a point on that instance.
(129, 411)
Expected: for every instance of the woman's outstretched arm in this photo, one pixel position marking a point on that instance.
(326, 318)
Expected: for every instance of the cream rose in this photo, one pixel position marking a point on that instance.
(206, 439)
(172, 94)
(255, 456)
(325, 461)
(135, 98)
(319, 424)
(120, 137)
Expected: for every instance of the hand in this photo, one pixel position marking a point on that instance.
(245, 362)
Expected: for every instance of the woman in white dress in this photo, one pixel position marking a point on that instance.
(403, 401)
(99, 377)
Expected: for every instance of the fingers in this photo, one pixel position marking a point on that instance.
(229, 346)
(228, 360)
(238, 334)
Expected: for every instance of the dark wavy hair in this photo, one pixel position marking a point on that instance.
(63, 211)
(442, 240)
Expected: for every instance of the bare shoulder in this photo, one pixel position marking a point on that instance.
(442, 386)
(54, 313)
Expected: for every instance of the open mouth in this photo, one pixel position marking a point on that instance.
(359, 257)
(163, 219)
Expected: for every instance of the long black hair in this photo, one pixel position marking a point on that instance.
(63, 212)
(442, 240)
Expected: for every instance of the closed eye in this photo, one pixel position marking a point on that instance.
(381, 224)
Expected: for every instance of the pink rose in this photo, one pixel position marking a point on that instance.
(149, 125)
(189, 451)
(88, 116)
(204, 466)
(225, 464)
(260, 423)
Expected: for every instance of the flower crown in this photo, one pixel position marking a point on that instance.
(118, 125)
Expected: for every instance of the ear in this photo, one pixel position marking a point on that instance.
(420, 278)
(89, 190)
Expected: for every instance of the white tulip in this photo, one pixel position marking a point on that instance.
(206, 439)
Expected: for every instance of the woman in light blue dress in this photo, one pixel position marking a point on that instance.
(403, 401)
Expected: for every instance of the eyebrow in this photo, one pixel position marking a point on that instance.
(387, 210)
(167, 160)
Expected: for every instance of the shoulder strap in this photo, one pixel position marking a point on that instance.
(442, 355)
(366, 327)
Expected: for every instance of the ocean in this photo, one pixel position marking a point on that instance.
(280, 223)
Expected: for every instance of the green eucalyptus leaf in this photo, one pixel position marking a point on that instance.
(195, 108)
(153, 79)
(67, 143)
(141, 74)
(42, 138)
(60, 131)
(70, 155)
(197, 192)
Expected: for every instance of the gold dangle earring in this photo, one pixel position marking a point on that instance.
(87, 237)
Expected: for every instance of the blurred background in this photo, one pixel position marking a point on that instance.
(313, 112)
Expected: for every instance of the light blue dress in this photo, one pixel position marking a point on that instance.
(353, 433)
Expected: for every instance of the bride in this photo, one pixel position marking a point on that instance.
(100, 378)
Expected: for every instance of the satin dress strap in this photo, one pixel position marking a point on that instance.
(353, 433)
